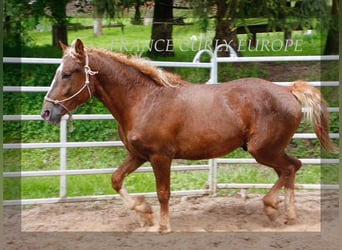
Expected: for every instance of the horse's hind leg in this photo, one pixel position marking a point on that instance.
(138, 204)
(286, 168)
(293, 167)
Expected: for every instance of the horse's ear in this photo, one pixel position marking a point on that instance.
(63, 46)
(78, 46)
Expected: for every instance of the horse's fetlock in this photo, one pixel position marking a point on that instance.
(141, 205)
(268, 202)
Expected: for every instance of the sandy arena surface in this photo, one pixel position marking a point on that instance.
(197, 223)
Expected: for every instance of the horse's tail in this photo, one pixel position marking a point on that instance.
(315, 111)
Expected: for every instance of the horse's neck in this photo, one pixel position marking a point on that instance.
(117, 89)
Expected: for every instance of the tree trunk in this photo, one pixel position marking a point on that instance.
(137, 14)
(161, 37)
(331, 46)
(59, 33)
(224, 32)
(59, 28)
(99, 10)
(97, 26)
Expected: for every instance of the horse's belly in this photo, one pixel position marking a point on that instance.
(208, 146)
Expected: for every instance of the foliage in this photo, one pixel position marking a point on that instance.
(103, 7)
(55, 10)
(202, 11)
(278, 13)
(14, 31)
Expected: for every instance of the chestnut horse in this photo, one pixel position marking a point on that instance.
(162, 117)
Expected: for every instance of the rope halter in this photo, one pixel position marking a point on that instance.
(88, 72)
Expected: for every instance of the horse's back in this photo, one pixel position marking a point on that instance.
(245, 97)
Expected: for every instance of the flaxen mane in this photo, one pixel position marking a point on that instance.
(158, 75)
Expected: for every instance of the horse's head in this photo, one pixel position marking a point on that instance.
(71, 86)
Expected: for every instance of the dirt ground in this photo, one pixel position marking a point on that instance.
(197, 223)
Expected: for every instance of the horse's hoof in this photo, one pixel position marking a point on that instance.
(146, 219)
(157, 229)
(290, 220)
(164, 229)
(152, 229)
(271, 212)
(290, 216)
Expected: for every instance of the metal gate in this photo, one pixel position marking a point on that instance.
(212, 165)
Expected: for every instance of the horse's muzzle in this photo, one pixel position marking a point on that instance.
(52, 114)
(45, 114)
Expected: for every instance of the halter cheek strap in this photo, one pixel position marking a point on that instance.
(88, 72)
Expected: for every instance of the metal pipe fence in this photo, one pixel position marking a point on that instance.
(211, 167)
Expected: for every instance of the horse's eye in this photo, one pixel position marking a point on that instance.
(66, 75)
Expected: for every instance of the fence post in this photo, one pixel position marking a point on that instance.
(214, 63)
(63, 159)
(212, 176)
(213, 68)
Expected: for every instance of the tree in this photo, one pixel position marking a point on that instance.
(55, 10)
(201, 10)
(225, 31)
(283, 15)
(137, 14)
(161, 36)
(331, 46)
(14, 32)
(60, 21)
(102, 7)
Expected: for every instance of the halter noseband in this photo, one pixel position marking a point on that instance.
(88, 72)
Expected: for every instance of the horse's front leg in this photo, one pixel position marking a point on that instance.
(138, 204)
(162, 167)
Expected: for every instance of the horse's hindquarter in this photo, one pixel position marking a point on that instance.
(270, 112)
(220, 118)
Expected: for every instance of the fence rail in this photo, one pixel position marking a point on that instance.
(212, 165)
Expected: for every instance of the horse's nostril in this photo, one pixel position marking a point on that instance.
(45, 114)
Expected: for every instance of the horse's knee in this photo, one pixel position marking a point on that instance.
(163, 196)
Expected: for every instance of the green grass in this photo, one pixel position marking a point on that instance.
(44, 187)
(132, 39)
